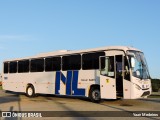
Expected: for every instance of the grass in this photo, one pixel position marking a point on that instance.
(154, 96)
(0, 87)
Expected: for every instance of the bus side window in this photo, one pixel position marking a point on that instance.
(91, 60)
(37, 65)
(23, 66)
(53, 64)
(72, 62)
(13, 67)
(5, 69)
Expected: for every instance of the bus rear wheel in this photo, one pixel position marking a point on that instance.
(30, 92)
(94, 95)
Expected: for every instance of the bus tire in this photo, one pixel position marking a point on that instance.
(30, 91)
(94, 95)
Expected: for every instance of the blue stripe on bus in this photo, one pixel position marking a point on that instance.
(71, 82)
(68, 82)
(75, 84)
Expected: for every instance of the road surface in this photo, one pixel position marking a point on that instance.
(11, 101)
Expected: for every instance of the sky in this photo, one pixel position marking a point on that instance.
(29, 27)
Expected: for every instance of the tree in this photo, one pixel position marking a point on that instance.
(155, 85)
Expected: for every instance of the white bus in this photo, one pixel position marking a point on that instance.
(101, 73)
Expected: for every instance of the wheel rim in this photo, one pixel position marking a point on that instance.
(96, 94)
(30, 91)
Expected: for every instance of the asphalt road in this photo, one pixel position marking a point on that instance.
(11, 101)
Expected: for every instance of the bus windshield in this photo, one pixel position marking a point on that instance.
(140, 68)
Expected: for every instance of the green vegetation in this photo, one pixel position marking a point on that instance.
(0, 87)
(154, 96)
(155, 85)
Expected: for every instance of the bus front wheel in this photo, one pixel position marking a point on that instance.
(94, 95)
(30, 92)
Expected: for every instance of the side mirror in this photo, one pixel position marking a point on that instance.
(133, 62)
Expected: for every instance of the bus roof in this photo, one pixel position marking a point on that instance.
(67, 52)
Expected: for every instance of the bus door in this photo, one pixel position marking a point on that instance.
(111, 75)
(107, 77)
